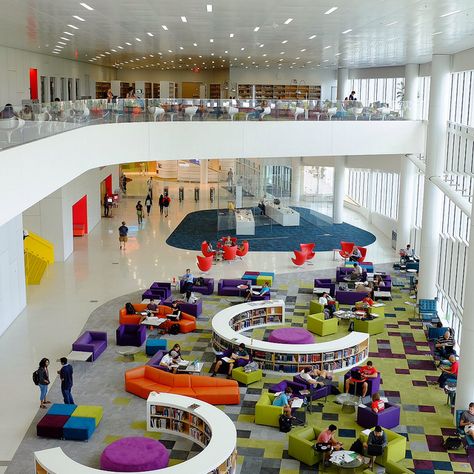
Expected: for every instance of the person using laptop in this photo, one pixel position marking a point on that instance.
(284, 400)
(328, 302)
(152, 307)
(175, 315)
(240, 355)
(356, 273)
(466, 421)
(314, 377)
(264, 290)
(367, 371)
(376, 443)
(172, 359)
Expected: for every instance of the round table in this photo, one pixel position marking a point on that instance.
(348, 402)
(128, 352)
(291, 336)
(134, 454)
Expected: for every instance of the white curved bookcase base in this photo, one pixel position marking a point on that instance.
(219, 453)
(337, 355)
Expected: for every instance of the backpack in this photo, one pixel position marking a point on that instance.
(251, 367)
(129, 308)
(174, 329)
(452, 443)
(36, 377)
(357, 447)
(199, 281)
(284, 423)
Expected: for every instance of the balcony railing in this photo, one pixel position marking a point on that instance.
(19, 125)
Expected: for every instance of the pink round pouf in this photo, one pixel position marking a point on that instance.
(134, 454)
(291, 336)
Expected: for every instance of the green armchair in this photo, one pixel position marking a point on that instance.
(316, 307)
(320, 326)
(377, 310)
(300, 445)
(373, 326)
(395, 450)
(265, 412)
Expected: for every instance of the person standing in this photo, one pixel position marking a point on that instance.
(166, 204)
(353, 96)
(124, 184)
(106, 205)
(139, 209)
(148, 204)
(65, 374)
(123, 235)
(230, 178)
(160, 203)
(149, 184)
(43, 381)
(188, 282)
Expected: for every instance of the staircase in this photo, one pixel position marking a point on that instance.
(39, 253)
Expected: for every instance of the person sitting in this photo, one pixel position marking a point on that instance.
(264, 290)
(152, 307)
(175, 315)
(327, 443)
(355, 254)
(284, 399)
(228, 241)
(408, 255)
(261, 206)
(209, 247)
(240, 354)
(376, 443)
(356, 273)
(328, 302)
(378, 282)
(367, 371)
(448, 372)
(377, 404)
(170, 362)
(467, 420)
(314, 377)
(444, 346)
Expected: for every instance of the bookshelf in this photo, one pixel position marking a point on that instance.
(245, 91)
(214, 91)
(101, 89)
(168, 90)
(337, 355)
(119, 88)
(264, 91)
(279, 91)
(156, 90)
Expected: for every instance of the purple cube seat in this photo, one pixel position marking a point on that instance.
(316, 393)
(291, 336)
(194, 309)
(131, 335)
(388, 418)
(91, 341)
(281, 387)
(154, 294)
(52, 426)
(227, 287)
(373, 383)
(206, 289)
(325, 283)
(266, 296)
(349, 297)
(162, 286)
(134, 454)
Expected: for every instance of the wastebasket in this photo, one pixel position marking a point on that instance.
(181, 194)
(212, 193)
(196, 194)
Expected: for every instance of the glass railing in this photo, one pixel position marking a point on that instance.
(20, 125)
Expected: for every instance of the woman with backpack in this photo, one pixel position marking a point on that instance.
(43, 381)
(160, 203)
(148, 204)
(166, 204)
(139, 209)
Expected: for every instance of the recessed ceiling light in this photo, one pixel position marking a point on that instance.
(150, 34)
(102, 55)
(212, 54)
(337, 54)
(61, 42)
(120, 47)
(303, 50)
(139, 40)
(143, 57)
(312, 37)
(68, 33)
(55, 52)
(308, 62)
(326, 60)
(169, 51)
(288, 21)
(195, 44)
(249, 57)
(331, 10)
(59, 47)
(164, 27)
(391, 23)
(327, 47)
(87, 7)
(129, 44)
(209, 8)
(256, 28)
(181, 48)
(107, 52)
(436, 33)
(78, 18)
(242, 49)
(73, 27)
(450, 13)
(284, 42)
(151, 56)
(264, 54)
(346, 31)
(184, 19)
(65, 39)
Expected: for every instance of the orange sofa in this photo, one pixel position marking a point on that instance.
(143, 380)
(187, 323)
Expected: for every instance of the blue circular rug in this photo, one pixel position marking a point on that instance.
(314, 227)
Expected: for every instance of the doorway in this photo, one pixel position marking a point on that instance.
(191, 90)
(33, 84)
(79, 217)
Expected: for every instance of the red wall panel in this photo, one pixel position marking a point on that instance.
(79, 213)
(33, 84)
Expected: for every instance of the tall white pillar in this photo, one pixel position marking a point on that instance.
(204, 171)
(435, 156)
(411, 91)
(406, 201)
(342, 83)
(295, 179)
(339, 188)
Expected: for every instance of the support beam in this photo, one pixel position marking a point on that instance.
(411, 91)
(295, 179)
(204, 172)
(339, 188)
(406, 201)
(342, 83)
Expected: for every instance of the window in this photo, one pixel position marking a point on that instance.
(386, 90)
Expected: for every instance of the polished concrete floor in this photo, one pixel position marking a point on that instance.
(98, 271)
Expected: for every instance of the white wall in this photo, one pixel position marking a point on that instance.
(390, 163)
(12, 272)
(15, 67)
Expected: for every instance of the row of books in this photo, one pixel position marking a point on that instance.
(198, 435)
(167, 411)
(168, 424)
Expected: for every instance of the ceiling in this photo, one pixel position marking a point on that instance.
(129, 33)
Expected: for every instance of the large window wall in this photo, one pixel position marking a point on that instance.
(387, 90)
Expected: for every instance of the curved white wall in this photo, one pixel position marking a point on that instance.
(33, 171)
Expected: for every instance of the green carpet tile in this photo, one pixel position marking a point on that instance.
(402, 355)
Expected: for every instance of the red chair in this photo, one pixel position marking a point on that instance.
(346, 249)
(204, 263)
(243, 253)
(363, 252)
(205, 252)
(300, 258)
(230, 253)
(307, 249)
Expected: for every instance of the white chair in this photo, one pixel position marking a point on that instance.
(298, 111)
(232, 111)
(331, 112)
(190, 112)
(158, 113)
(384, 111)
(8, 126)
(357, 111)
(266, 111)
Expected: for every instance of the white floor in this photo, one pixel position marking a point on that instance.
(97, 272)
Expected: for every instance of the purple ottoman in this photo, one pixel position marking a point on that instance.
(51, 426)
(134, 454)
(291, 336)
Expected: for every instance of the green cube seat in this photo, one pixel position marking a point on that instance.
(261, 279)
(320, 326)
(373, 326)
(300, 445)
(246, 378)
(89, 411)
(265, 412)
(315, 307)
(395, 450)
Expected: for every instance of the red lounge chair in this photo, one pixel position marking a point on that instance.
(230, 252)
(204, 263)
(363, 252)
(243, 253)
(307, 249)
(300, 258)
(346, 249)
(205, 251)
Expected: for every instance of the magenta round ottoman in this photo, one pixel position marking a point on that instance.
(291, 336)
(134, 454)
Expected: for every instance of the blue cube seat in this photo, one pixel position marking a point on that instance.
(79, 428)
(154, 345)
(61, 409)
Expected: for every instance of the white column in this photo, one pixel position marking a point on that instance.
(339, 188)
(435, 157)
(406, 201)
(342, 83)
(204, 171)
(411, 91)
(295, 179)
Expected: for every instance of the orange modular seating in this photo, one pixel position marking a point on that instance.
(143, 380)
(187, 323)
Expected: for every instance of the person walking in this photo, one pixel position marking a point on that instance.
(166, 204)
(124, 184)
(65, 374)
(148, 204)
(123, 235)
(160, 203)
(139, 209)
(149, 184)
(43, 381)
(106, 205)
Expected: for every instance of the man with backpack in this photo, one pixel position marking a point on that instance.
(123, 235)
(166, 203)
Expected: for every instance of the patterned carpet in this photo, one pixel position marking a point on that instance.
(402, 354)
